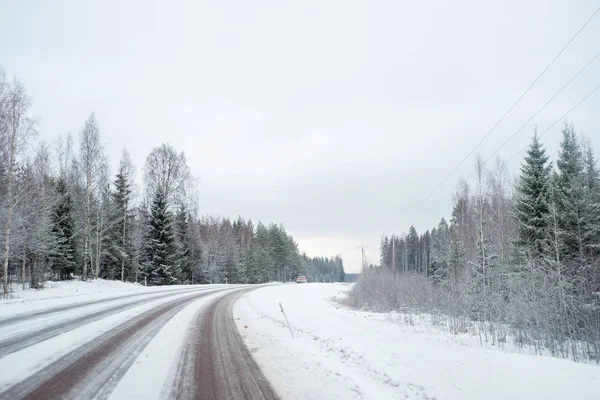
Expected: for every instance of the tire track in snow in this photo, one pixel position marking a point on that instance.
(20, 341)
(92, 370)
(215, 362)
(28, 316)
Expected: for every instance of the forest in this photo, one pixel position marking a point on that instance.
(520, 255)
(65, 216)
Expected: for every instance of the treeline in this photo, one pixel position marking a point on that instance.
(64, 215)
(323, 269)
(523, 254)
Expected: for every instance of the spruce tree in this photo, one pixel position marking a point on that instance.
(412, 241)
(340, 264)
(571, 201)
(532, 200)
(385, 250)
(122, 197)
(243, 238)
(160, 259)
(65, 258)
(592, 212)
(183, 255)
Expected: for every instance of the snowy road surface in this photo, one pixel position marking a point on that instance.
(338, 353)
(159, 343)
(231, 342)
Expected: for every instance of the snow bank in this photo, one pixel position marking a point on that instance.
(60, 293)
(342, 353)
(53, 290)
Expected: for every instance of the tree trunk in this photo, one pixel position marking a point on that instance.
(98, 247)
(23, 272)
(6, 250)
(9, 211)
(124, 233)
(86, 251)
(34, 274)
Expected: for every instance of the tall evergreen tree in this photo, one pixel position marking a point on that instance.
(340, 264)
(592, 235)
(532, 199)
(160, 265)
(412, 241)
(183, 258)
(122, 197)
(65, 258)
(571, 200)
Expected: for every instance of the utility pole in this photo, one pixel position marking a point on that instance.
(365, 263)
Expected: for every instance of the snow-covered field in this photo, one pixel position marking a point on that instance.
(338, 353)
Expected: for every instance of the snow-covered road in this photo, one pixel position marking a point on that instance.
(231, 342)
(177, 342)
(338, 353)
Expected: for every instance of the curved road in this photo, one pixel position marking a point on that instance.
(211, 361)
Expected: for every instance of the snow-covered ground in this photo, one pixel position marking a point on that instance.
(338, 353)
(72, 292)
(44, 333)
(71, 288)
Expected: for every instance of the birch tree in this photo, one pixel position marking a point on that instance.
(40, 242)
(503, 224)
(16, 128)
(90, 164)
(166, 170)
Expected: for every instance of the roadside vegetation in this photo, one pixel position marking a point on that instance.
(516, 262)
(65, 215)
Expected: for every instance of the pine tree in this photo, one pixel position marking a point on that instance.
(532, 200)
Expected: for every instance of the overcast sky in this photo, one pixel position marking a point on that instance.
(334, 118)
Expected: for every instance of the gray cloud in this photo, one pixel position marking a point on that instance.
(334, 118)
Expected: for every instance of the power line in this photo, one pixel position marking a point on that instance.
(544, 106)
(556, 122)
(505, 114)
(523, 149)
